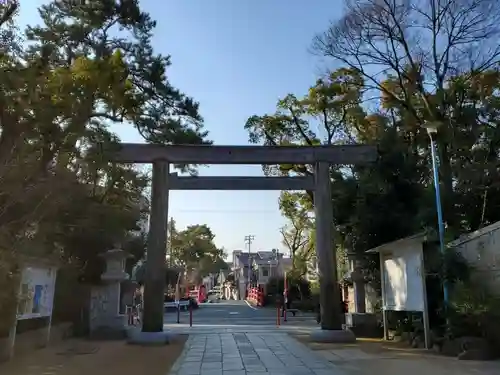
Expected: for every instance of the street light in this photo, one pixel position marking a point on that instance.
(432, 129)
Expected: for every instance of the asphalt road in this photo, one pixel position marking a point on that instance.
(233, 313)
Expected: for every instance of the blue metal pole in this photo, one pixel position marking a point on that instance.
(439, 212)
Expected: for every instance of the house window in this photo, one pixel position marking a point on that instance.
(265, 272)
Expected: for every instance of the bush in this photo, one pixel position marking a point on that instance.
(299, 292)
(275, 286)
(474, 311)
(314, 288)
(457, 271)
(298, 288)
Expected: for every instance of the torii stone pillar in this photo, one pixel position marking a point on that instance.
(154, 283)
(325, 251)
(157, 245)
(331, 314)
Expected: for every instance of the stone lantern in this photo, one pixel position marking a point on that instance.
(359, 321)
(105, 298)
(358, 282)
(115, 265)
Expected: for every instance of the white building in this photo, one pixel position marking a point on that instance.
(481, 249)
(263, 265)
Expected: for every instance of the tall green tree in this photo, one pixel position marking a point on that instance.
(86, 66)
(363, 198)
(105, 65)
(422, 47)
(394, 197)
(194, 249)
(298, 232)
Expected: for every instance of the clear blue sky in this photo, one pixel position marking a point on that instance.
(237, 58)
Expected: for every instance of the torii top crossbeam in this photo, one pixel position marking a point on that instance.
(209, 154)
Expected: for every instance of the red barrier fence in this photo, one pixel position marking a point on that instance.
(255, 295)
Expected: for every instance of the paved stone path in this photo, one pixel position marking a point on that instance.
(250, 353)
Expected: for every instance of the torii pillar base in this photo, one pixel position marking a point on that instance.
(333, 336)
(136, 337)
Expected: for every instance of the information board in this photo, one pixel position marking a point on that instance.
(403, 281)
(36, 292)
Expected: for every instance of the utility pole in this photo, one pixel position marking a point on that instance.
(277, 262)
(248, 241)
(170, 228)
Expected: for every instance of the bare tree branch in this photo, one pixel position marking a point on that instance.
(421, 42)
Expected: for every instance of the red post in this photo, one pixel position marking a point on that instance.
(190, 314)
(278, 317)
(260, 297)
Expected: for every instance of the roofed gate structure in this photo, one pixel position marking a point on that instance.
(319, 156)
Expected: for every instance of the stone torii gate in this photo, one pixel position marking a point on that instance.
(319, 156)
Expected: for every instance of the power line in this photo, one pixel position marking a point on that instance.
(248, 241)
(227, 211)
(170, 228)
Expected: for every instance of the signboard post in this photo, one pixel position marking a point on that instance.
(36, 296)
(53, 288)
(402, 274)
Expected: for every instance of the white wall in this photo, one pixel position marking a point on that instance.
(263, 277)
(481, 249)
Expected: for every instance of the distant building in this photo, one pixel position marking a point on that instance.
(260, 266)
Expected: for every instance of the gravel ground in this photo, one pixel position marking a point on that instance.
(77, 357)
